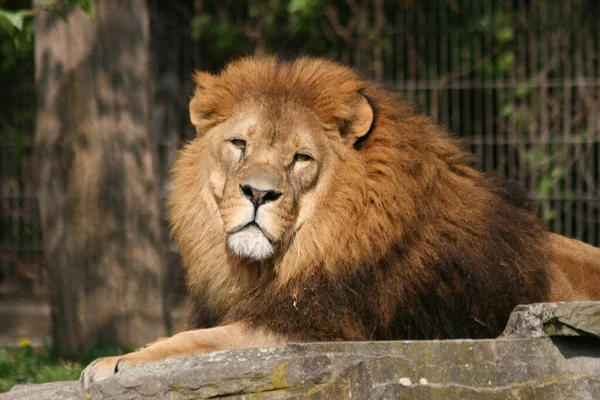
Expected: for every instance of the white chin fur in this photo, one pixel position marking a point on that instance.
(250, 242)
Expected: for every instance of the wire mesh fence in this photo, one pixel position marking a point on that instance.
(518, 80)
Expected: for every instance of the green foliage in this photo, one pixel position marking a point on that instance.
(11, 20)
(270, 22)
(501, 24)
(28, 365)
(16, 66)
(16, 75)
(504, 61)
(15, 43)
(301, 12)
(224, 35)
(549, 161)
(303, 7)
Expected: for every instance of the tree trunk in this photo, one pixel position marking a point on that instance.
(97, 176)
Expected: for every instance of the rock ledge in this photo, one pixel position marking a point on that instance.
(548, 350)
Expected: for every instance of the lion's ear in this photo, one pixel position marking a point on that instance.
(362, 120)
(202, 80)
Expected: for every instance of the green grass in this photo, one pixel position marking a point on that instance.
(29, 365)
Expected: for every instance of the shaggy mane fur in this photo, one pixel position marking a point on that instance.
(412, 242)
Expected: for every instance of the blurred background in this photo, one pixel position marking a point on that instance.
(94, 107)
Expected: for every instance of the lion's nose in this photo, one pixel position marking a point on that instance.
(259, 197)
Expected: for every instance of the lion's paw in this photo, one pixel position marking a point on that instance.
(103, 368)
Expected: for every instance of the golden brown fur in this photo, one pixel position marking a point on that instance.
(578, 265)
(382, 230)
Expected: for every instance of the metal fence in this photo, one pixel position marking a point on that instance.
(519, 80)
(21, 257)
(522, 86)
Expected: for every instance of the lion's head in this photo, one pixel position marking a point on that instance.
(273, 141)
(269, 155)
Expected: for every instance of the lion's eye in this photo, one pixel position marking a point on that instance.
(301, 157)
(239, 143)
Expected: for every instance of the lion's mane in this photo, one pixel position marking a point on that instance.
(412, 242)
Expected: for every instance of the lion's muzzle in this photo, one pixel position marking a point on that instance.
(251, 233)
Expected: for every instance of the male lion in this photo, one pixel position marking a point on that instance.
(316, 206)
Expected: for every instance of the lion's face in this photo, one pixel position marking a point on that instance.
(270, 141)
(266, 162)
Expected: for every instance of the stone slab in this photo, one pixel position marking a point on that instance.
(535, 363)
(554, 319)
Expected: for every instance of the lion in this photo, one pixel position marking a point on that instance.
(314, 205)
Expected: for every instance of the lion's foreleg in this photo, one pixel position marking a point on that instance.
(233, 336)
